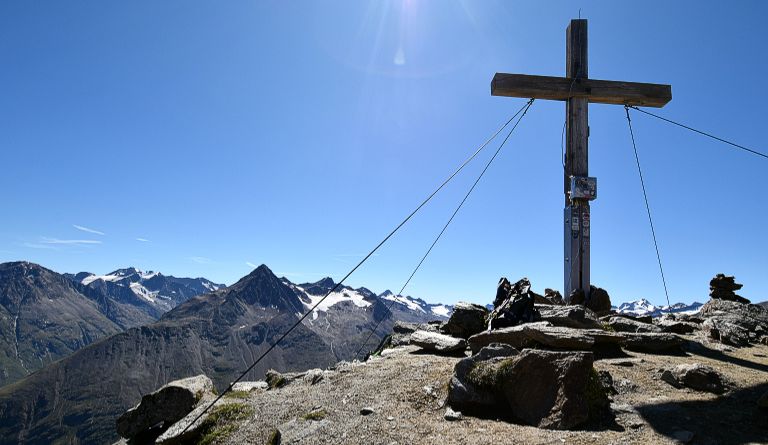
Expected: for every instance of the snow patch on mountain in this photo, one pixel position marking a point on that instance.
(333, 298)
(210, 286)
(442, 310)
(406, 301)
(143, 292)
(90, 279)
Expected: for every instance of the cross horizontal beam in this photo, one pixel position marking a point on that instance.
(596, 91)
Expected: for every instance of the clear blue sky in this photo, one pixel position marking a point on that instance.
(201, 137)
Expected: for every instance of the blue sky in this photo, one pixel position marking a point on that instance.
(200, 138)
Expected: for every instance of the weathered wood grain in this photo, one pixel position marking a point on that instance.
(595, 91)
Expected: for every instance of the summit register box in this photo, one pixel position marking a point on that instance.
(583, 187)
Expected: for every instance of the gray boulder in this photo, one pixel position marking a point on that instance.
(696, 376)
(726, 331)
(598, 301)
(546, 389)
(550, 389)
(621, 324)
(466, 320)
(440, 343)
(165, 406)
(470, 387)
(275, 379)
(571, 316)
(314, 376)
(677, 327)
(401, 332)
(734, 323)
(554, 296)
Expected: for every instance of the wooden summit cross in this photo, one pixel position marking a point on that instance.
(577, 90)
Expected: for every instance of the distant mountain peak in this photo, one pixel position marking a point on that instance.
(257, 273)
(645, 307)
(326, 282)
(126, 271)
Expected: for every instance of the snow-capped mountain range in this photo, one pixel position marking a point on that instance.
(643, 307)
(417, 304)
(163, 292)
(311, 294)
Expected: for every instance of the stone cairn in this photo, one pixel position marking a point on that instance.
(722, 288)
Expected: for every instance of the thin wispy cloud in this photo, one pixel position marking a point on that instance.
(250, 264)
(39, 246)
(46, 240)
(200, 260)
(87, 229)
(143, 240)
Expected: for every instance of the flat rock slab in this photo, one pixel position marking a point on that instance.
(250, 386)
(176, 433)
(514, 336)
(167, 405)
(556, 337)
(432, 341)
(677, 327)
(571, 316)
(621, 324)
(652, 342)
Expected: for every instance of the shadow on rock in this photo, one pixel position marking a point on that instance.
(734, 418)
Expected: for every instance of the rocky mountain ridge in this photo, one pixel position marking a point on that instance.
(218, 334)
(151, 293)
(555, 373)
(45, 316)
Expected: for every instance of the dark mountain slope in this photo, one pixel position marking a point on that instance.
(78, 398)
(43, 317)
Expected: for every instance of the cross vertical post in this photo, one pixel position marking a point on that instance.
(577, 216)
(578, 90)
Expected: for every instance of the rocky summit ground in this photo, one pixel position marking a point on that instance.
(403, 392)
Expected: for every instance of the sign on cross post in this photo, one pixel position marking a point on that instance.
(578, 90)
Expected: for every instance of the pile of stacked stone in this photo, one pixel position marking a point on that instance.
(729, 318)
(531, 355)
(722, 288)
